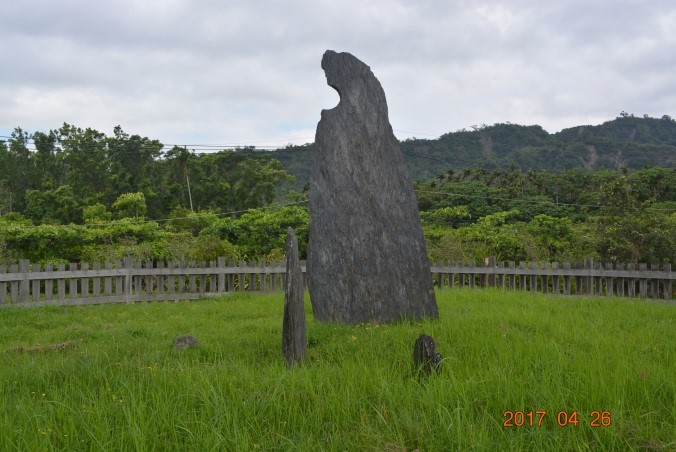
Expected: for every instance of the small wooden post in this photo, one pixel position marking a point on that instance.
(533, 277)
(451, 275)
(203, 278)
(566, 279)
(160, 278)
(213, 282)
(609, 281)
(108, 280)
(654, 283)
(191, 279)
(472, 275)
(24, 284)
(512, 276)
(61, 284)
(221, 274)
(619, 285)
(49, 284)
(149, 279)
(631, 282)
(231, 276)
(14, 285)
(84, 282)
(241, 277)
(35, 284)
(171, 279)
(643, 282)
(181, 277)
(667, 284)
(294, 338)
(128, 285)
(556, 280)
(252, 276)
(72, 284)
(490, 263)
(96, 281)
(589, 264)
(501, 278)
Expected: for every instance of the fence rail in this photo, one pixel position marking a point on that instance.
(29, 284)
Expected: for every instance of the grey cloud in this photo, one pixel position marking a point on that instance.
(236, 70)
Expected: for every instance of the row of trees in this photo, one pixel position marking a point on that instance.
(82, 196)
(617, 216)
(52, 177)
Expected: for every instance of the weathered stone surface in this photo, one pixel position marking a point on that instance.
(426, 358)
(294, 337)
(366, 255)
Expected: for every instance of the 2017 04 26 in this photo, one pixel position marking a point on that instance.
(515, 419)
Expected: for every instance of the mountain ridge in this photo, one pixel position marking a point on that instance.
(624, 142)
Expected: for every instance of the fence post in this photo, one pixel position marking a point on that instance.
(84, 282)
(533, 277)
(96, 282)
(631, 282)
(108, 280)
(491, 276)
(643, 282)
(72, 282)
(666, 284)
(566, 279)
(609, 281)
(49, 283)
(655, 282)
(512, 276)
(472, 275)
(221, 274)
(35, 284)
(160, 278)
(128, 284)
(589, 264)
(501, 277)
(24, 265)
(619, 282)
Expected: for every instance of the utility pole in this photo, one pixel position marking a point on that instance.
(187, 179)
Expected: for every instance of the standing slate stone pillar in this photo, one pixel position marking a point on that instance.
(367, 260)
(294, 337)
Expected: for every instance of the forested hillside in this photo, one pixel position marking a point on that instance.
(78, 195)
(625, 142)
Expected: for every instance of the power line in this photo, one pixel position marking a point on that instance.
(240, 143)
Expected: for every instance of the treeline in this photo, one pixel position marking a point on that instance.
(78, 195)
(614, 216)
(55, 177)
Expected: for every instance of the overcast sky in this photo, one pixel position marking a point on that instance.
(248, 72)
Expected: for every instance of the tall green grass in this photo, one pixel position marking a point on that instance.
(107, 378)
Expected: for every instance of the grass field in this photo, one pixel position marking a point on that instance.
(106, 377)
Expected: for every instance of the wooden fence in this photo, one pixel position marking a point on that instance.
(27, 284)
(588, 278)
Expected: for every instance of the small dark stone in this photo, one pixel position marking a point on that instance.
(426, 358)
(367, 260)
(185, 342)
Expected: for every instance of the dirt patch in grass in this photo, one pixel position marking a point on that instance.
(58, 347)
